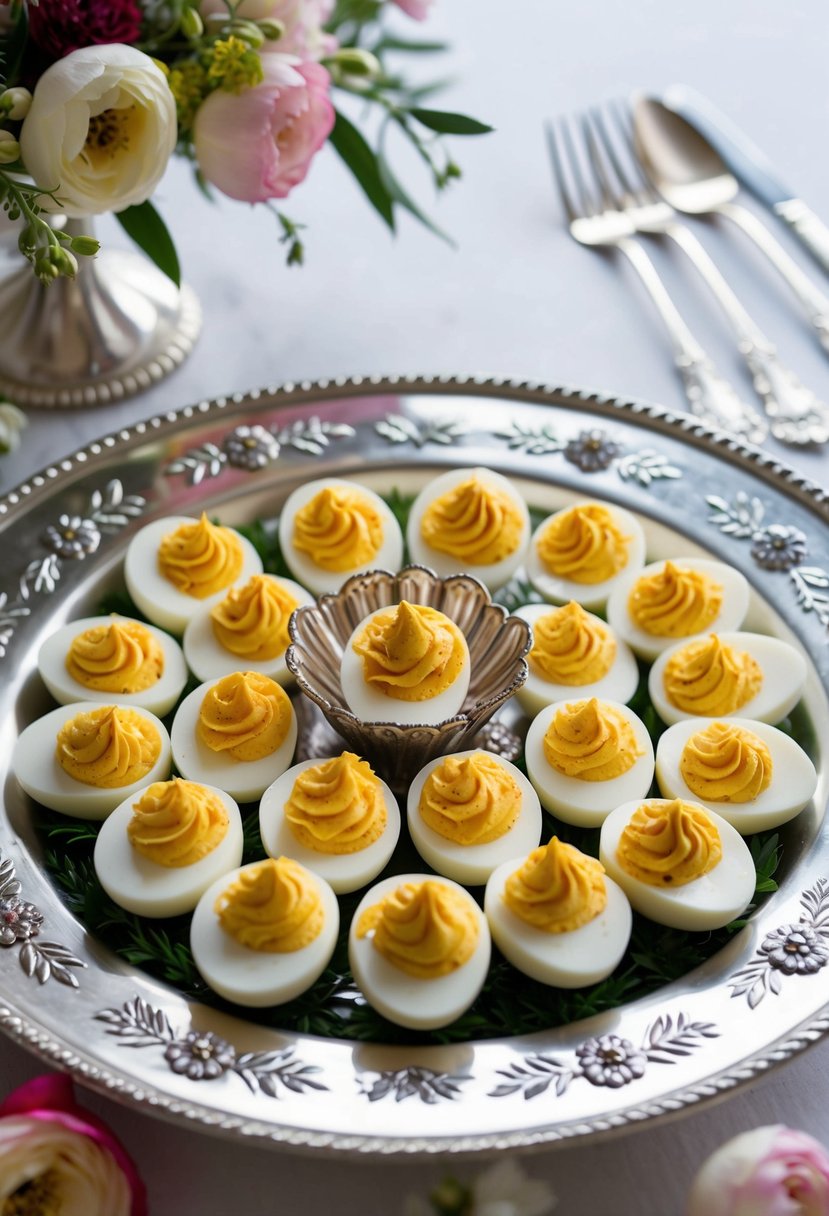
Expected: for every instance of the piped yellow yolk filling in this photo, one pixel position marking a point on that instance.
(669, 844)
(479, 524)
(411, 652)
(122, 657)
(201, 558)
(590, 740)
(252, 620)
(426, 929)
(571, 646)
(108, 747)
(726, 763)
(246, 715)
(177, 823)
(709, 678)
(470, 799)
(337, 806)
(273, 907)
(583, 545)
(674, 602)
(340, 529)
(557, 889)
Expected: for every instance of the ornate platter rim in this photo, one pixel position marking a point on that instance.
(418, 1093)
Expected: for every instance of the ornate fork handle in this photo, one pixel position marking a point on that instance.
(811, 231)
(796, 414)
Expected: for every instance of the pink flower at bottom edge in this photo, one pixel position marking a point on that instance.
(770, 1171)
(51, 1099)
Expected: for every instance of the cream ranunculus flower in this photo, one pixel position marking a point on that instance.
(100, 130)
(55, 1169)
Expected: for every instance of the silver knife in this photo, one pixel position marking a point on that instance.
(752, 168)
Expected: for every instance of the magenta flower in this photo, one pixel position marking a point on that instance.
(259, 144)
(56, 1156)
(771, 1171)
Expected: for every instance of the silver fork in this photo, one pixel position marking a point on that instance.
(796, 413)
(595, 220)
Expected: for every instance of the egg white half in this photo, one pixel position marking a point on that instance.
(586, 803)
(317, 579)
(793, 777)
(472, 864)
(618, 684)
(564, 960)
(143, 886)
(372, 706)
(344, 871)
(40, 775)
(208, 659)
(708, 902)
(159, 600)
(245, 780)
(590, 595)
(493, 575)
(733, 609)
(784, 678)
(255, 977)
(158, 699)
(405, 999)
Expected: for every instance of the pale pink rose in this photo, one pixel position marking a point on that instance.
(303, 21)
(771, 1171)
(419, 9)
(259, 144)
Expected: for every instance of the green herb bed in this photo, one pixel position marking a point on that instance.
(509, 1004)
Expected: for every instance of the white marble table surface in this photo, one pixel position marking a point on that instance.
(519, 298)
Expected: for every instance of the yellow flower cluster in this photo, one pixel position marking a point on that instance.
(234, 66)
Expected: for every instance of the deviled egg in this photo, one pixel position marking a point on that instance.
(471, 811)
(574, 653)
(175, 566)
(678, 864)
(408, 663)
(238, 732)
(160, 850)
(752, 774)
(330, 529)
(419, 950)
(115, 657)
(724, 674)
(248, 628)
(472, 521)
(556, 916)
(86, 758)
(585, 757)
(334, 816)
(583, 552)
(263, 934)
(677, 599)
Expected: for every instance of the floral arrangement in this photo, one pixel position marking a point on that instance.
(96, 95)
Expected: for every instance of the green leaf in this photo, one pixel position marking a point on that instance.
(13, 48)
(358, 156)
(146, 227)
(410, 44)
(447, 123)
(399, 194)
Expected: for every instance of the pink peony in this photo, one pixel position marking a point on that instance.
(303, 21)
(419, 9)
(48, 1141)
(259, 144)
(771, 1171)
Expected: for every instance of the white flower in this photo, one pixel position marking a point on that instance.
(62, 1170)
(100, 130)
(12, 422)
(503, 1190)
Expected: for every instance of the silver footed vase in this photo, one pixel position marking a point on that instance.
(116, 329)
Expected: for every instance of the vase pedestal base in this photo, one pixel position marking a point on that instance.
(116, 329)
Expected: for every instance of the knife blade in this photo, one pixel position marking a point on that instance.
(752, 168)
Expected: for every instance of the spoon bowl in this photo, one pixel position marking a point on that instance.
(686, 170)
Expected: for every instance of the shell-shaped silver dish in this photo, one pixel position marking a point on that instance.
(761, 999)
(497, 646)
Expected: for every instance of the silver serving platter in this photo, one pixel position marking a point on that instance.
(754, 1004)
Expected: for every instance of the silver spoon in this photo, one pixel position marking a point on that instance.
(692, 177)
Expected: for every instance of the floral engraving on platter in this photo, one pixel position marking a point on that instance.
(591, 451)
(252, 448)
(607, 1060)
(20, 925)
(396, 428)
(801, 948)
(424, 1083)
(647, 466)
(205, 1056)
(535, 441)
